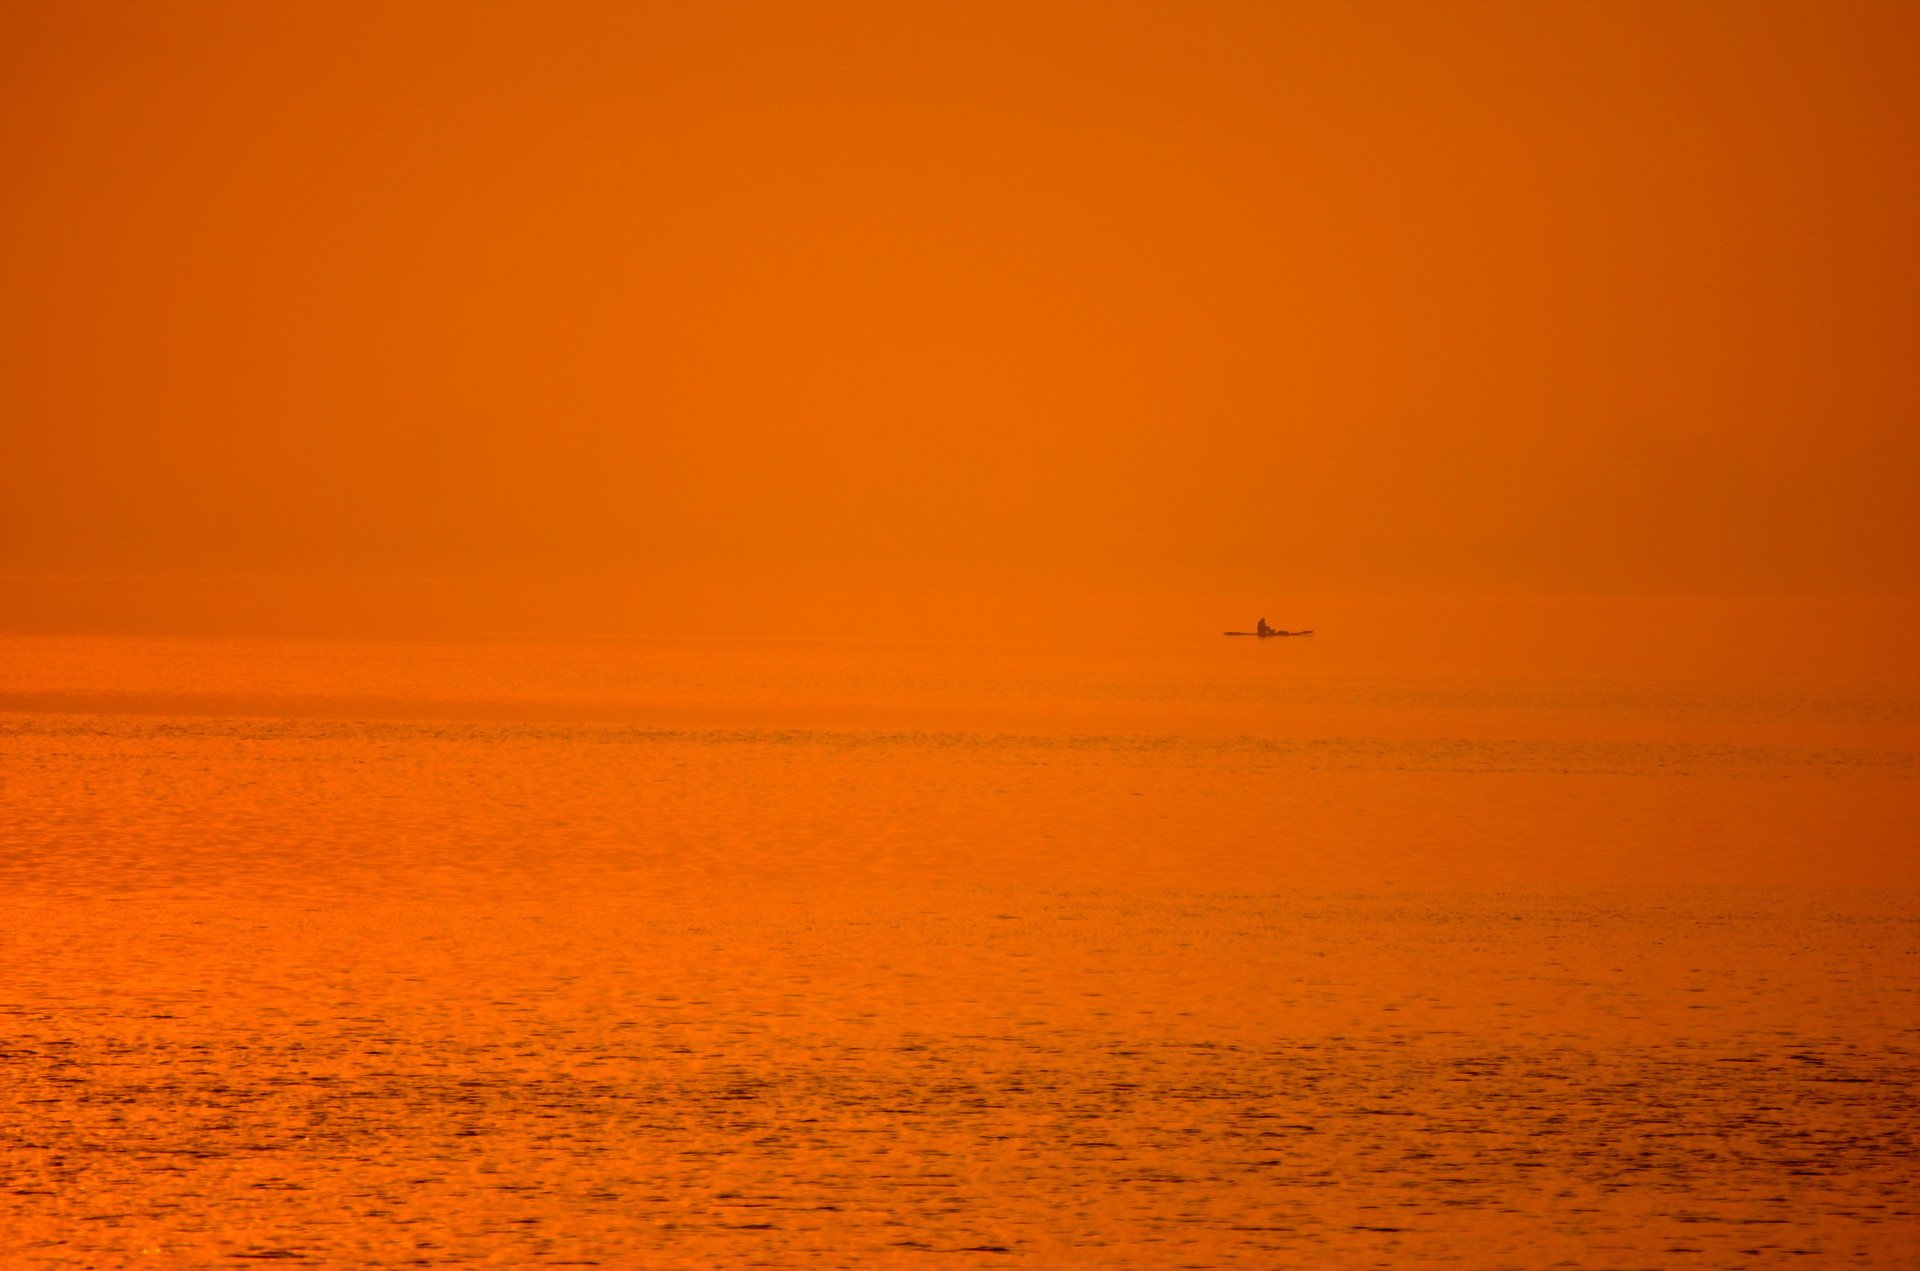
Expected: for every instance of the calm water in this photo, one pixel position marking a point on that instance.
(1164, 953)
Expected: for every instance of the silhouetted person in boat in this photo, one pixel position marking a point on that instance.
(1264, 629)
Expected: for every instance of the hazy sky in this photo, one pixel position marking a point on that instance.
(1336, 295)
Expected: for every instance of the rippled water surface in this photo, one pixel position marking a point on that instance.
(1151, 954)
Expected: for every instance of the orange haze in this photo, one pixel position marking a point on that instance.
(1342, 297)
(610, 633)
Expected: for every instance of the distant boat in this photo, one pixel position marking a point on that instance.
(1263, 631)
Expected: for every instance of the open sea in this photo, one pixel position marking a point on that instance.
(1535, 945)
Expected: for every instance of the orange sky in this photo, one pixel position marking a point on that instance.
(1298, 295)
